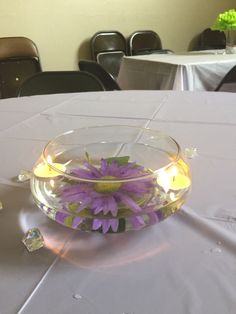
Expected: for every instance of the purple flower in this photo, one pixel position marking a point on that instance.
(108, 197)
(137, 222)
(105, 224)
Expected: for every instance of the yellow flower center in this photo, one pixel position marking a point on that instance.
(106, 187)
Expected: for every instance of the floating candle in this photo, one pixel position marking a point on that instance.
(49, 169)
(172, 179)
(179, 182)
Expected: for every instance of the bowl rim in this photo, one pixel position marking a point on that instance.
(127, 179)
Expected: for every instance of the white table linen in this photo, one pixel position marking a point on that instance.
(185, 264)
(190, 72)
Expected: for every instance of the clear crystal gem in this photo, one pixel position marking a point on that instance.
(216, 250)
(24, 175)
(190, 152)
(1, 206)
(77, 296)
(33, 239)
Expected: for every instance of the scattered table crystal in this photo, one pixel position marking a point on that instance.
(190, 152)
(216, 250)
(24, 175)
(33, 239)
(1, 206)
(77, 296)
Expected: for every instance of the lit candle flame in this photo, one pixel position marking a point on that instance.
(45, 170)
(173, 179)
(52, 183)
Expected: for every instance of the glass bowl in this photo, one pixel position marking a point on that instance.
(110, 178)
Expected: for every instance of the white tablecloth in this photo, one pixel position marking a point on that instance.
(193, 72)
(186, 264)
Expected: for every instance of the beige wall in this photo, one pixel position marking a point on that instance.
(61, 28)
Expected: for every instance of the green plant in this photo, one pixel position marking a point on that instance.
(225, 21)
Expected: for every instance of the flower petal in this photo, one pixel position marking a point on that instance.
(112, 204)
(137, 222)
(82, 173)
(153, 218)
(105, 225)
(78, 193)
(97, 205)
(114, 223)
(94, 170)
(60, 217)
(76, 222)
(142, 186)
(104, 167)
(97, 223)
(85, 203)
(129, 202)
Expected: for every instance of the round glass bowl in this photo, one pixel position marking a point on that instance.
(110, 178)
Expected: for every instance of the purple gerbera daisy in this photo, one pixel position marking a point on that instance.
(110, 192)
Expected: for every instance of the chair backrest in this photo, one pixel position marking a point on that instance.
(19, 59)
(107, 41)
(211, 39)
(143, 42)
(228, 83)
(108, 49)
(111, 61)
(56, 82)
(97, 70)
(16, 47)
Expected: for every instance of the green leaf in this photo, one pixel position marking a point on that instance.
(73, 207)
(68, 221)
(119, 160)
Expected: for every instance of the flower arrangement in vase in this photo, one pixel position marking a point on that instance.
(110, 179)
(226, 22)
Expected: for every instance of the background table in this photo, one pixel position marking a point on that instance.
(185, 264)
(193, 72)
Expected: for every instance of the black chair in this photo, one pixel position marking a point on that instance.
(19, 59)
(108, 49)
(145, 42)
(111, 61)
(58, 82)
(107, 41)
(97, 70)
(211, 39)
(228, 83)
